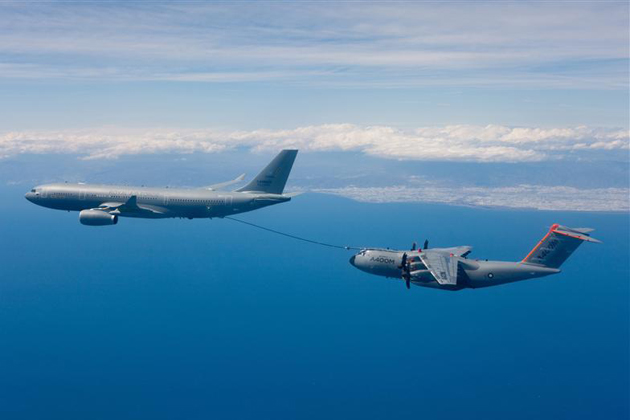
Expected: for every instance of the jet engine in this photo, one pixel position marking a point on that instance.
(97, 218)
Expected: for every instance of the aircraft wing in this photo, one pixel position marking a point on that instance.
(220, 185)
(458, 251)
(442, 266)
(130, 206)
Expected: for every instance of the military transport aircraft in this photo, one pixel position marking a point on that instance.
(101, 205)
(449, 269)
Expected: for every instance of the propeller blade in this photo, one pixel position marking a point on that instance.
(403, 261)
(426, 244)
(406, 275)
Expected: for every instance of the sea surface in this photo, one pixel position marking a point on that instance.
(181, 319)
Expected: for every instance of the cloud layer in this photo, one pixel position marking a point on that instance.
(491, 143)
(519, 44)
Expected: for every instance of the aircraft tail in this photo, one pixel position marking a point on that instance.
(273, 178)
(557, 245)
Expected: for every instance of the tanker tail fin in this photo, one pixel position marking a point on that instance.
(273, 178)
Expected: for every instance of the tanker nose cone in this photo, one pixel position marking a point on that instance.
(29, 196)
(352, 259)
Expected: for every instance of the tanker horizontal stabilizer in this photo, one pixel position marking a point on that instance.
(221, 185)
(293, 194)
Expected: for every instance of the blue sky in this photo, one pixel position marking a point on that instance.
(281, 65)
(478, 82)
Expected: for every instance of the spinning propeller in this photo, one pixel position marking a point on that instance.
(404, 265)
(425, 246)
(405, 268)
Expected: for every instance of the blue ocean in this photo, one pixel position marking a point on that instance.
(199, 319)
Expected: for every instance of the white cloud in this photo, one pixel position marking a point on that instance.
(491, 143)
(487, 43)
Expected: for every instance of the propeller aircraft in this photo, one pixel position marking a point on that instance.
(450, 269)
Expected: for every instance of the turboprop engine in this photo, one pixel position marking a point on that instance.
(97, 218)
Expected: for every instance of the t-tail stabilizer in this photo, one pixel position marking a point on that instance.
(557, 245)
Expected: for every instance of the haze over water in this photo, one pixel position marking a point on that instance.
(198, 319)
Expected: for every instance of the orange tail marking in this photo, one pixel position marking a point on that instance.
(552, 229)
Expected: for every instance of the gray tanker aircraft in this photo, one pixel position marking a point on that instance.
(101, 205)
(449, 269)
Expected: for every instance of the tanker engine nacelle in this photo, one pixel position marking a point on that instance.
(97, 218)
